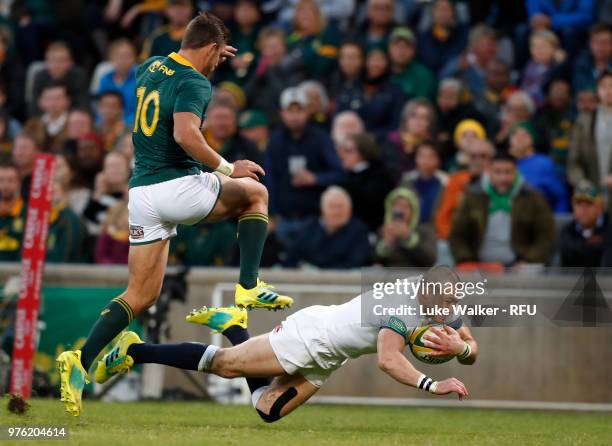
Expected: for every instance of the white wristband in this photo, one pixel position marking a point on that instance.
(466, 353)
(426, 383)
(225, 168)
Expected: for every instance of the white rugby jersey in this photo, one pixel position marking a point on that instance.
(346, 334)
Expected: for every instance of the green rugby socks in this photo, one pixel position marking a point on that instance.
(113, 319)
(252, 233)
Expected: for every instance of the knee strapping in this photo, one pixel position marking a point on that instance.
(278, 405)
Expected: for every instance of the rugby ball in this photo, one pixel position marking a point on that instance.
(420, 351)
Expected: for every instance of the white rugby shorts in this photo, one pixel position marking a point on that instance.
(155, 210)
(301, 346)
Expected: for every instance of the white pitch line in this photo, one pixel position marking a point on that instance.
(479, 404)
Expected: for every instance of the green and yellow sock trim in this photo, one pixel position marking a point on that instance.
(254, 216)
(126, 307)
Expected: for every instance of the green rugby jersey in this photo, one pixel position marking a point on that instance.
(164, 86)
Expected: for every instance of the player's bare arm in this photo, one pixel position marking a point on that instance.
(392, 361)
(188, 135)
(448, 341)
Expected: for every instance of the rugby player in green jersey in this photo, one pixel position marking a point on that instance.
(168, 187)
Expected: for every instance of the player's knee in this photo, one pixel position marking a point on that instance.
(141, 301)
(274, 412)
(224, 366)
(257, 193)
(229, 373)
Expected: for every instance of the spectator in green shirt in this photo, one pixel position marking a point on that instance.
(166, 39)
(12, 214)
(67, 235)
(244, 31)
(204, 244)
(414, 78)
(313, 41)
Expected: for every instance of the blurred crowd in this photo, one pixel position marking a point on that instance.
(393, 132)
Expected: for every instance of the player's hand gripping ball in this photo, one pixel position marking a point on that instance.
(420, 351)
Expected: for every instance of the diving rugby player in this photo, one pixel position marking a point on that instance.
(301, 353)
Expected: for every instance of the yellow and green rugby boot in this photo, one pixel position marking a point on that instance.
(219, 319)
(73, 378)
(117, 360)
(261, 296)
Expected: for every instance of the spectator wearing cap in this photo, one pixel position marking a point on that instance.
(111, 125)
(581, 242)
(465, 135)
(594, 60)
(451, 111)
(122, 78)
(274, 72)
(222, 134)
(333, 240)
(300, 162)
(590, 156)
(537, 169)
(232, 93)
(60, 69)
(403, 241)
(166, 39)
(367, 180)
(313, 41)
(12, 213)
(52, 125)
(480, 153)
(254, 126)
(378, 100)
(444, 39)
(502, 220)
(411, 76)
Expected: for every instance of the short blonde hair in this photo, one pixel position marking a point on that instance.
(116, 44)
(547, 36)
(315, 7)
(332, 191)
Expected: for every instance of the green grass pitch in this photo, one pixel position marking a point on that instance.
(195, 423)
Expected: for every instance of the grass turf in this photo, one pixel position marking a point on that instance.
(195, 423)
